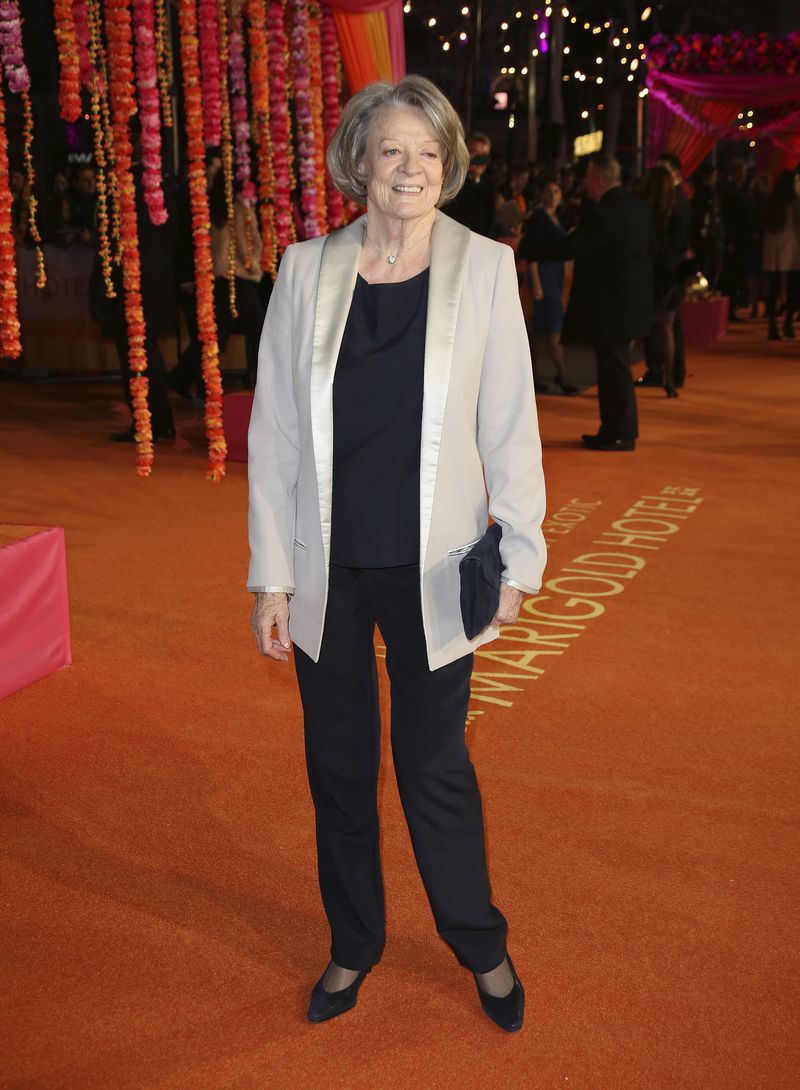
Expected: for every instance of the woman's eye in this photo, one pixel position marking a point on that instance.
(390, 151)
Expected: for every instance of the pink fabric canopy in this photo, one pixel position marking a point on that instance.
(690, 113)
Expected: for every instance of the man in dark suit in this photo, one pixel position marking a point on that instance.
(611, 302)
(473, 205)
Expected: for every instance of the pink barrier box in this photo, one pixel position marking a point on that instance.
(705, 320)
(236, 410)
(34, 606)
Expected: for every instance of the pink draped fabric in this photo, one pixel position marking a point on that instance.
(360, 40)
(690, 113)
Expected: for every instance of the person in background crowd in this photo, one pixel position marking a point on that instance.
(83, 201)
(611, 302)
(653, 375)
(706, 233)
(20, 204)
(760, 190)
(474, 205)
(782, 252)
(737, 219)
(519, 176)
(571, 198)
(547, 286)
(657, 190)
(55, 210)
(247, 250)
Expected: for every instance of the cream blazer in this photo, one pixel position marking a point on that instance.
(479, 430)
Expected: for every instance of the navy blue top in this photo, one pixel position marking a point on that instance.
(377, 425)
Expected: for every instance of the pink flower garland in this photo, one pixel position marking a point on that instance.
(239, 112)
(210, 73)
(80, 13)
(280, 124)
(331, 86)
(149, 108)
(11, 48)
(298, 44)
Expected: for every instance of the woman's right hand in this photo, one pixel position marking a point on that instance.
(271, 610)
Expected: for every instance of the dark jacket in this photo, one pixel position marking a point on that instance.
(473, 206)
(612, 288)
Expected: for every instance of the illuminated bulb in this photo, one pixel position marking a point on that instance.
(548, 11)
(445, 46)
(598, 60)
(630, 77)
(749, 125)
(600, 106)
(623, 60)
(646, 14)
(517, 14)
(634, 64)
(584, 114)
(511, 71)
(462, 36)
(597, 30)
(624, 30)
(543, 36)
(406, 8)
(583, 77)
(535, 16)
(587, 26)
(506, 48)
(615, 41)
(534, 52)
(749, 113)
(574, 19)
(504, 26)
(752, 143)
(511, 121)
(465, 11)
(432, 21)
(503, 71)
(566, 50)
(629, 45)
(565, 12)
(606, 25)
(524, 71)
(565, 78)
(599, 79)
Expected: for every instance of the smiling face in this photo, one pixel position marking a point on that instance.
(403, 163)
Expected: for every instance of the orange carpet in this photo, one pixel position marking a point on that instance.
(161, 926)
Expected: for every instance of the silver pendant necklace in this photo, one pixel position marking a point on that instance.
(391, 258)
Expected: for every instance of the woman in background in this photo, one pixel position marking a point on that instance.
(547, 285)
(782, 252)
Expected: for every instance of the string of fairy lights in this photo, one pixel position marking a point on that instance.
(601, 44)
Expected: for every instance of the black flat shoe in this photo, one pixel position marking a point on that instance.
(567, 388)
(505, 1011)
(670, 391)
(325, 1005)
(592, 442)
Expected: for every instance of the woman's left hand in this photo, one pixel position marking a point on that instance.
(508, 608)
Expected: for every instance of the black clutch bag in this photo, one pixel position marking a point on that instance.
(480, 571)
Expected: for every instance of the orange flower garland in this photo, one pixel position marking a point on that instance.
(315, 69)
(27, 130)
(331, 90)
(103, 132)
(98, 92)
(259, 93)
(281, 123)
(201, 234)
(164, 60)
(227, 150)
(10, 346)
(119, 35)
(69, 84)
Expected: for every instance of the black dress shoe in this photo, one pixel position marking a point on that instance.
(325, 1005)
(567, 388)
(506, 1011)
(670, 391)
(596, 442)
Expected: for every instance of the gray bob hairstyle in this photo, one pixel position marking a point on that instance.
(348, 144)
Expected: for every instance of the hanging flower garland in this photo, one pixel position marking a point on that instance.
(10, 346)
(227, 153)
(98, 98)
(208, 16)
(301, 82)
(149, 108)
(69, 84)
(119, 34)
(239, 112)
(331, 92)
(315, 71)
(259, 92)
(19, 81)
(164, 63)
(80, 13)
(280, 119)
(726, 53)
(201, 234)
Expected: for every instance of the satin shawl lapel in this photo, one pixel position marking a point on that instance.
(337, 280)
(449, 250)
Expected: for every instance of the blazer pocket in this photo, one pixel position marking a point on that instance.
(300, 543)
(463, 548)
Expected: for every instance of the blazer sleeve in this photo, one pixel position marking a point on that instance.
(274, 446)
(508, 435)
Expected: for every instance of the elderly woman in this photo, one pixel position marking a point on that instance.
(394, 388)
